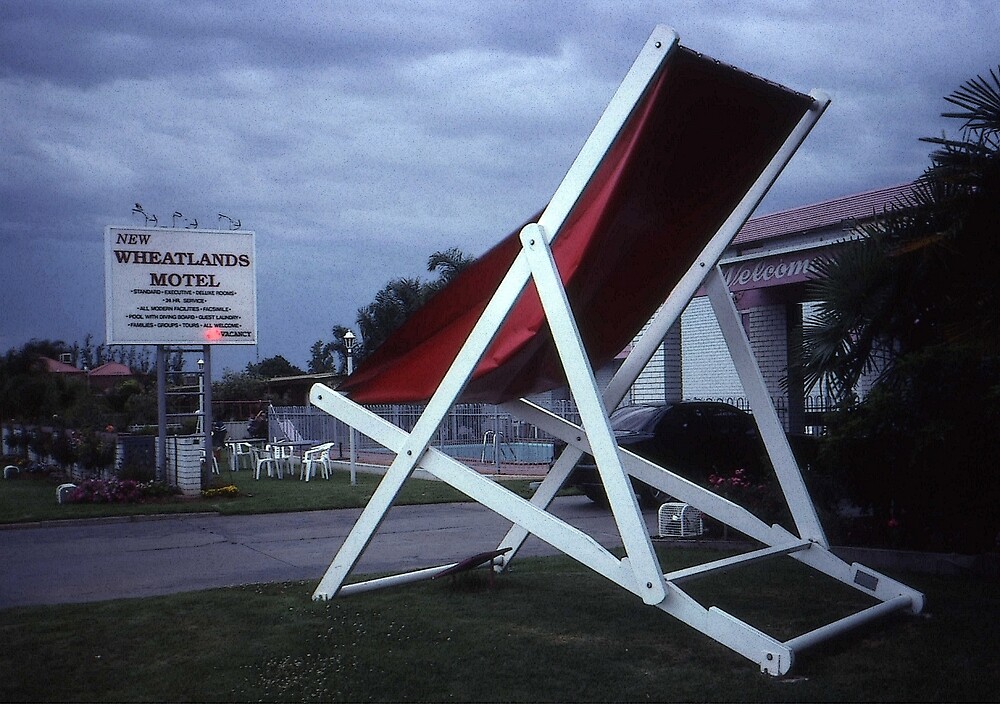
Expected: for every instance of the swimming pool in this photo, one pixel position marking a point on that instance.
(517, 452)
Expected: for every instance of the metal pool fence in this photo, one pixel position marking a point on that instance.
(470, 431)
(476, 431)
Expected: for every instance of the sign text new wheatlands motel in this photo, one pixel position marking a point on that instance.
(180, 286)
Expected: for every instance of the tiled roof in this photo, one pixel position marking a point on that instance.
(822, 215)
(53, 366)
(112, 368)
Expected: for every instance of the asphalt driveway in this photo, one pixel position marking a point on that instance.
(93, 560)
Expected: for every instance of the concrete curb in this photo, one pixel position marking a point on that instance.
(103, 520)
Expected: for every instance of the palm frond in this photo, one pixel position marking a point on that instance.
(980, 104)
(856, 295)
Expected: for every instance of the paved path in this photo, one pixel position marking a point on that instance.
(67, 562)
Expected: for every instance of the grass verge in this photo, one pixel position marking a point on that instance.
(30, 500)
(547, 632)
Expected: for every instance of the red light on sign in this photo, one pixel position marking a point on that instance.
(213, 334)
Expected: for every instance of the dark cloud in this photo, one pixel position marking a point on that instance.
(356, 137)
(89, 43)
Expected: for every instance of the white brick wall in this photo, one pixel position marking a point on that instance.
(708, 370)
(184, 463)
(660, 380)
(648, 387)
(769, 341)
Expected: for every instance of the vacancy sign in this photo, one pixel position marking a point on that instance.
(179, 286)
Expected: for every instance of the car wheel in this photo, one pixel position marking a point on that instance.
(597, 495)
(651, 497)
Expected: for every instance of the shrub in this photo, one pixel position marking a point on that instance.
(157, 489)
(95, 451)
(760, 498)
(40, 442)
(919, 453)
(63, 448)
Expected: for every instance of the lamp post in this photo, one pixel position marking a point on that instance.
(349, 345)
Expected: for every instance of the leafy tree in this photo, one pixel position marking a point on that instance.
(175, 365)
(25, 359)
(95, 450)
(26, 392)
(40, 442)
(30, 394)
(119, 396)
(140, 409)
(63, 448)
(86, 359)
(239, 386)
(274, 367)
(251, 383)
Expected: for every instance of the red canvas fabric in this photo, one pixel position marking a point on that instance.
(691, 149)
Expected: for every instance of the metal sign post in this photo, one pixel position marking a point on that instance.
(180, 288)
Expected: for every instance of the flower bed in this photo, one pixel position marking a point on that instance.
(221, 492)
(116, 490)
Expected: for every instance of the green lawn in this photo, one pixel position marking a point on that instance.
(549, 631)
(25, 500)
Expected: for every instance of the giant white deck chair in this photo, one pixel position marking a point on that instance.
(683, 154)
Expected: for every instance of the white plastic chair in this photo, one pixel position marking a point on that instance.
(265, 458)
(316, 456)
(238, 451)
(287, 456)
(63, 492)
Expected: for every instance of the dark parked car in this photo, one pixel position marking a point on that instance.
(694, 439)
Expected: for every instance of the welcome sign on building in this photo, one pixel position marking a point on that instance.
(179, 286)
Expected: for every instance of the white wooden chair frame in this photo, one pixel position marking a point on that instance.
(639, 571)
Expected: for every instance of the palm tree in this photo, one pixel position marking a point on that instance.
(447, 264)
(921, 284)
(401, 297)
(321, 358)
(392, 305)
(329, 356)
(923, 274)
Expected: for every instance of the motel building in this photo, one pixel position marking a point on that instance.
(767, 267)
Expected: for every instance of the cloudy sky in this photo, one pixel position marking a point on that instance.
(357, 137)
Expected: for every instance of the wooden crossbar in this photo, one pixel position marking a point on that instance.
(726, 563)
(824, 633)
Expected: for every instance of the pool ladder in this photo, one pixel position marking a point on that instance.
(493, 440)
